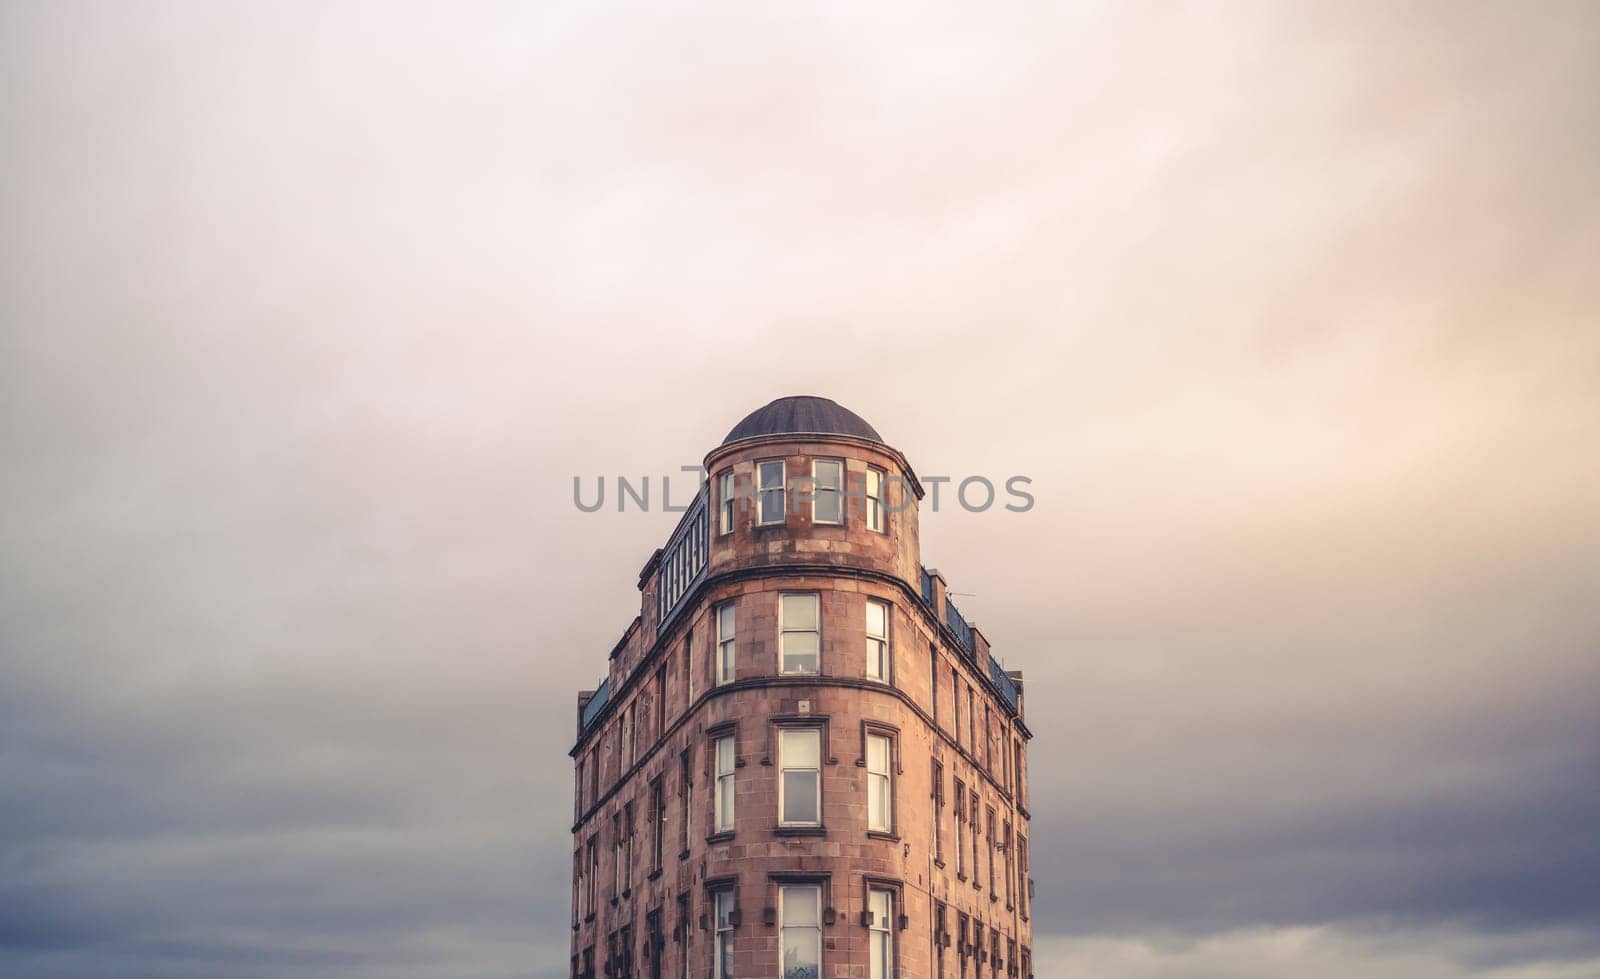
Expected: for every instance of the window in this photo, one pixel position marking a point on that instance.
(724, 785)
(826, 478)
(653, 942)
(593, 876)
(625, 741)
(877, 640)
(722, 951)
(1016, 767)
(994, 951)
(975, 826)
(961, 942)
(658, 823)
(686, 804)
(594, 775)
(725, 643)
(800, 780)
(881, 939)
(874, 487)
(938, 808)
(580, 896)
(1005, 848)
(725, 502)
(939, 924)
(688, 672)
(577, 797)
(933, 681)
(624, 968)
(1022, 875)
(800, 930)
(880, 787)
(961, 830)
(772, 492)
(988, 738)
(661, 702)
(972, 722)
(683, 936)
(616, 853)
(989, 840)
(955, 701)
(799, 638)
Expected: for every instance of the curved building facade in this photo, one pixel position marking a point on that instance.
(803, 762)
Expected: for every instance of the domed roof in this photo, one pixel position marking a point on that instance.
(802, 415)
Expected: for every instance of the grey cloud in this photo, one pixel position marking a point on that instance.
(310, 317)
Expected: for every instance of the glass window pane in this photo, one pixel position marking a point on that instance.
(878, 754)
(724, 756)
(826, 475)
(825, 507)
(800, 652)
(725, 621)
(800, 797)
(877, 624)
(799, 612)
(771, 475)
(800, 906)
(801, 749)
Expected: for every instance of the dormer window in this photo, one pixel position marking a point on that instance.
(827, 476)
(772, 491)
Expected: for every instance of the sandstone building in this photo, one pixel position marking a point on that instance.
(803, 762)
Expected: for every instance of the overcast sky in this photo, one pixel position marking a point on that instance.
(309, 317)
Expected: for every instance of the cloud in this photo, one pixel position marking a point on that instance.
(311, 317)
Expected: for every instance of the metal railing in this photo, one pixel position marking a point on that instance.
(597, 704)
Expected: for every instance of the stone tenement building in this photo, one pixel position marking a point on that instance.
(803, 762)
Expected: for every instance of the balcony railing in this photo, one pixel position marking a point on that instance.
(1004, 684)
(683, 560)
(958, 625)
(597, 704)
(952, 617)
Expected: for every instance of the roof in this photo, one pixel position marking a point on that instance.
(803, 415)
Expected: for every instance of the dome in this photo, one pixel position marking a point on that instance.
(802, 415)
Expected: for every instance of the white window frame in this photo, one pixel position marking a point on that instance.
(879, 666)
(835, 491)
(725, 500)
(788, 893)
(872, 488)
(784, 631)
(880, 933)
(723, 764)
(880, 783)
(784, 768)
(762, 492)
(722, 941)
(727, 647)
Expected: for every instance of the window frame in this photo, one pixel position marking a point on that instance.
(891, 895)
(816, 887)
(658, 822)
(783, 630)
(890, 739)
(726, 498)
(723, 926)
(877, 516)
(725, 668)
(884, 642)
(762, 492)
(837, 491)
(815, 731)
(724, 821)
